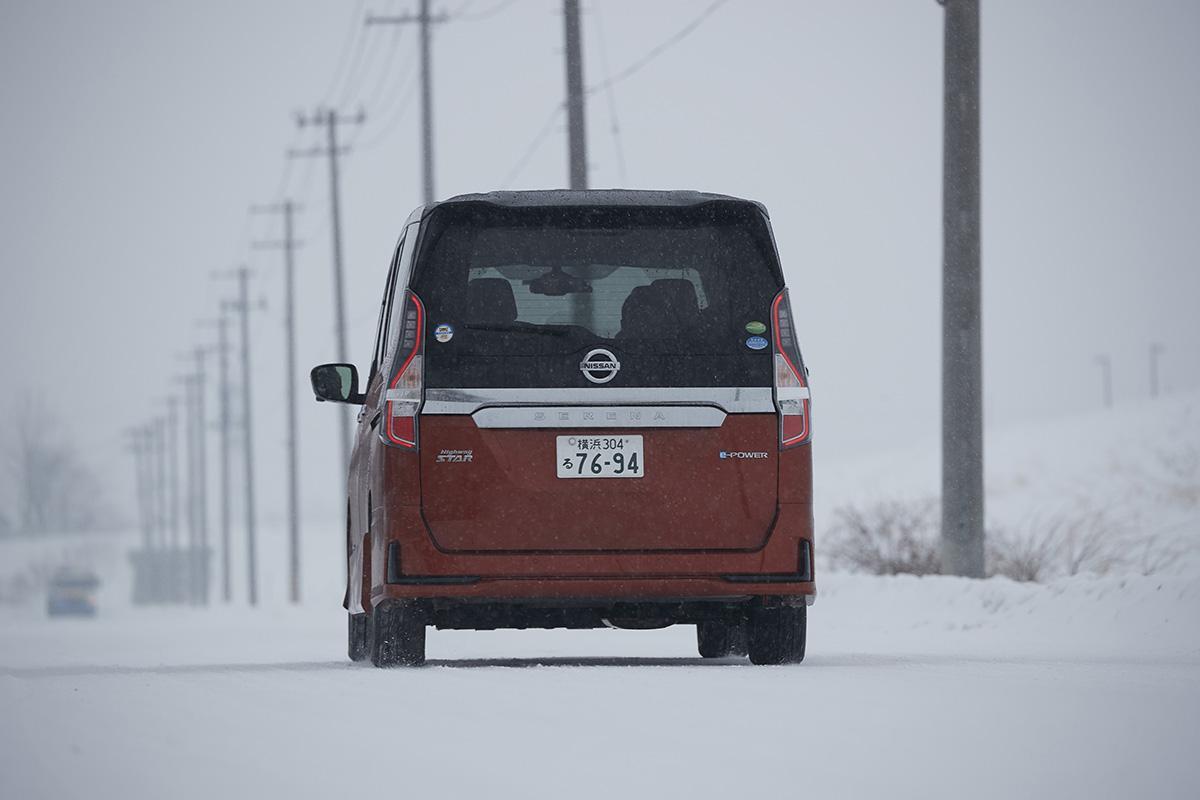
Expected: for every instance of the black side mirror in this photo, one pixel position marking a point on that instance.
(336, 383)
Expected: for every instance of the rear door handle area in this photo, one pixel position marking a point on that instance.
(375, 419)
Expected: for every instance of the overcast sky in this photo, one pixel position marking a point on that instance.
(137, 134)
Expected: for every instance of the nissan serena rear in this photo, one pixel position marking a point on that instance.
(583, 409)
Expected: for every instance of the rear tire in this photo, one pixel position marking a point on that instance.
(397, 635)
(777, 635)
(715, 639)
(358, 646)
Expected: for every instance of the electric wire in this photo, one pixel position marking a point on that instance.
(478, 16)
(353, 33)
(545, 130)
(615, 127)
(409, 90)
(358, 77)
(657, 50)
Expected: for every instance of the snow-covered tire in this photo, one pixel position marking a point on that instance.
(716, 639)
(777, 635)
(397, 635)
(358, 645)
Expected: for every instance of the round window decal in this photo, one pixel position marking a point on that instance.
(599, 365)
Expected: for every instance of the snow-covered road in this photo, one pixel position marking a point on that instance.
(937, 687)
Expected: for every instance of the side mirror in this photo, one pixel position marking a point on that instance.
(336, 383)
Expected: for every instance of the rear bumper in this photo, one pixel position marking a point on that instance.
(588, 612)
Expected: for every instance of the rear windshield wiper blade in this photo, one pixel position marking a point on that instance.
(526, 328)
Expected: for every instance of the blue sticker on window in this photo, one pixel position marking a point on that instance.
(757, 343)
(443, 333)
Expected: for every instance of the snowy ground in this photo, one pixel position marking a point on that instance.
(1087, 686)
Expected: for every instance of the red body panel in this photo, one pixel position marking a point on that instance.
(509, 498)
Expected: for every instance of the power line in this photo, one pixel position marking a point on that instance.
(479, 15)
(545, 130)
(386, 76)
(615, 127)
(659, 49)
(352, 34)
(398, 115)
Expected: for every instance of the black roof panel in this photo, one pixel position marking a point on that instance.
(595, 197)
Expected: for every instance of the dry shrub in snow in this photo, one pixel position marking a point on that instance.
(893, 537)
(889, 537)
(1074, 542)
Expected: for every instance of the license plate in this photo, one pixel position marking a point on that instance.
(600, 457)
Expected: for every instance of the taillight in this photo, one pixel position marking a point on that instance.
(791, 384)
(404, 393)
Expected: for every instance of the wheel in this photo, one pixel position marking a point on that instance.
(397, 635)
(358, 648)
(777, 635)
(716, 639)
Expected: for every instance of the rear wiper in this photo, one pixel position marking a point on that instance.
(527, 328)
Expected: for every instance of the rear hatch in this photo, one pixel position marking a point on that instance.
(598, 378)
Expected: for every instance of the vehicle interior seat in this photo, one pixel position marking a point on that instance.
(490, 301)
(681, 306)
(643, 315)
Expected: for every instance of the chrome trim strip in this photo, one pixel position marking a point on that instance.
(730, 399)
(599, 417)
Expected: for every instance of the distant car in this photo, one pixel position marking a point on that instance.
(72, 593)
(583, 409)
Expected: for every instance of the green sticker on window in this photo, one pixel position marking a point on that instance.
(755, 327)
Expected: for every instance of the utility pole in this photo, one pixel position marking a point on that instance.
(173, 468)
(242, 306)
(160, 477)
(243, 275)
(201, 476)
(425, 20)
(962, 374)
(224, 426)
(287, 208)
(185, 563)
(1105, 364)
(576, 132)
(139, 446)
(330, 119)
(1156, 350)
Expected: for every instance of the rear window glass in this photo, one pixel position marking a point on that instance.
(516, 297)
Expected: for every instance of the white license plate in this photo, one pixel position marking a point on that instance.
(600, 457)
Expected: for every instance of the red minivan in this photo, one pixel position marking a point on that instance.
(584, 409)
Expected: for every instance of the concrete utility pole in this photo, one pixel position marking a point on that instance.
(224, 428)
(139, 441)
(202, 475)
(287, 208)
(576, 131)
(1156, 350)
(425, 20)
(962, 374)
(160, 478)
(1106, 392)
(330, 119)
(173, 468)
(197, 494)
(188, 588)
(243, 306)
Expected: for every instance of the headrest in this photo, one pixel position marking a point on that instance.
(680, 297)
(642, 314)
(490, 301)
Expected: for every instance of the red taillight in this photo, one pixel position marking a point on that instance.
(404, 392)
(791, 385)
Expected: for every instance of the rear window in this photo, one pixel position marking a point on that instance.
(517, 297)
